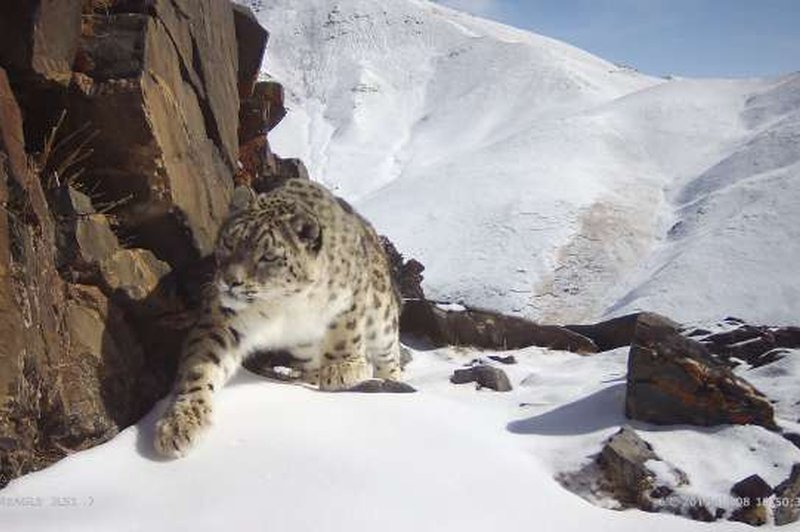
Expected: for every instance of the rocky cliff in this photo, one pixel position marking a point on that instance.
(120, 141)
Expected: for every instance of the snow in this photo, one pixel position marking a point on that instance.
(530, 177)
(534, 178)
(285, 457)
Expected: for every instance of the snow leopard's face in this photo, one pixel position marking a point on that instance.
(266, 251)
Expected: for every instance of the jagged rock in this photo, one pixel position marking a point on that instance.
(674, 380)
(757, 346)
(252, 39)
(32, 303)
(407, 274)
(485, 376)
(135, 273)
(624, 463)
(261, 111)
(101, 343)
(490, 330)
(169, 73)
(39, 38)
(787, 499)
(623, 460)
(610, 334)
(752, 487)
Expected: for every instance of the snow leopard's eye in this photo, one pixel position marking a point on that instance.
(269, 257)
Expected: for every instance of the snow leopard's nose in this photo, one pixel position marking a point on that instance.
(233, 277)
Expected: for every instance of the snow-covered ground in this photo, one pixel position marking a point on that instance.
(532, 177)
(528, 176)
(283, 457)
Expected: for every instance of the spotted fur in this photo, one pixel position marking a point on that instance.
(297, 270)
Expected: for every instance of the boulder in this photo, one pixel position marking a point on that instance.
(752, 487)
(485, 376)
(625, 464)
(675, 380)
(455, 325)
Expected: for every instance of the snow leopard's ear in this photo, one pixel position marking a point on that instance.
(308, 230)
(242, 199)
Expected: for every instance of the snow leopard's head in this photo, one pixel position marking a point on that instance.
(268, 248)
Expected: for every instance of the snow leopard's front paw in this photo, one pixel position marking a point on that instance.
(182, 426)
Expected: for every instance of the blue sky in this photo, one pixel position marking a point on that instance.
(702, 38)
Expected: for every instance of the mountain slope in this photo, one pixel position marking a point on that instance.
(528, 175)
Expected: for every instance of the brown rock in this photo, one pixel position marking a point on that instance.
(170, 76)
(261, 111)
(252, 40)
(31, 308)
(486, 329)
(674, 380)
(136, 273)
(39, 38)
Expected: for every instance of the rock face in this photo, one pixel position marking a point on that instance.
(119, 137)
(167, 70)
(674, 380)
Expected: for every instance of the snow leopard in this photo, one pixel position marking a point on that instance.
(297, 270)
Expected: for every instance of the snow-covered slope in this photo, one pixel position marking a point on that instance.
(532, 177)
(285, 458)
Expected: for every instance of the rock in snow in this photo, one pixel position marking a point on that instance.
(673, 380)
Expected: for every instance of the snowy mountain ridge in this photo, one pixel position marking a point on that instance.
(534, 178)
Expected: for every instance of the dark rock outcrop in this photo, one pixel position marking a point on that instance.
(674, 380)
(610, 334)
(491, 330)
(407, 274)
(755, 345)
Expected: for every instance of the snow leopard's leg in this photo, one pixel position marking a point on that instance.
(383, 340)
(211, 355)
(344, 362)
